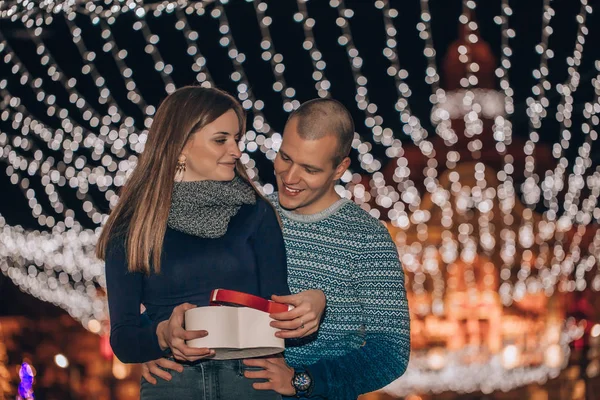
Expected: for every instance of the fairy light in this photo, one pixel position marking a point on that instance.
(89, 67)
(69, 276)
(120, 57)
(431, 74)
(584, 215)
(262, 133)
(502, 72)
(478, 208)
(536, 112)
(275, 59)
(386, 136)
(199, 66)
(164, 69)
(372, 120)
(503, 134)
(322, 84)
(565, 109)
(383, 193)
(56, 74)
(420, 378)
(35, 84)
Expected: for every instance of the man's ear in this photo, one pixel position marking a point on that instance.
(341, 168)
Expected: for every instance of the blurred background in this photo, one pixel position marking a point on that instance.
(476, 144)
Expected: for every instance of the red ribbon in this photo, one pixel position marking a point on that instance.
(224, 297)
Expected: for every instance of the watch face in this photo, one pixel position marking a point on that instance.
(302, 381)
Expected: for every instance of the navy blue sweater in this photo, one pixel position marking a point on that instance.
(250, 257)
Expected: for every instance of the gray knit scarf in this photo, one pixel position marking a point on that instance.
(204, 208)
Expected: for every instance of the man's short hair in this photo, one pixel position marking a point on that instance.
(318, 118)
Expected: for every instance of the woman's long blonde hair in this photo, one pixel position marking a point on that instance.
(145, 200)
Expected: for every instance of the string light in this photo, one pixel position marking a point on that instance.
(91, 144)
(275, 59)
(322, 85)
(420, 377)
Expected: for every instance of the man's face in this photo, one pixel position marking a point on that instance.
(305, 171)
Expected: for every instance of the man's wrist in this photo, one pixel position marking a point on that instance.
(302, 382)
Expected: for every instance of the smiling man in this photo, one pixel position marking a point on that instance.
(310, 160)
(363, 342)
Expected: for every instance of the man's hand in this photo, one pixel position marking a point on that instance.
(151, 368)
(277, 373)
(172, 335)
(304, 319)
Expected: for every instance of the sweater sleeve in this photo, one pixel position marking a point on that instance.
(132, 338)
(269, 250)
(379, 283)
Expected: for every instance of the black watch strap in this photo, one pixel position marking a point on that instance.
(302, 382)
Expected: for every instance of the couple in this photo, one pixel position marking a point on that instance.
(189, 221)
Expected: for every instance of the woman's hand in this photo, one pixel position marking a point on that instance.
(171, 334)
(304, 319)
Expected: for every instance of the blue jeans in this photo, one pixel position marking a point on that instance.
(207, 380)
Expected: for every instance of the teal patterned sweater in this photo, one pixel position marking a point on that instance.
(363, 342)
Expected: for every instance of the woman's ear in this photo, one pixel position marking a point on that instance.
(188, 146)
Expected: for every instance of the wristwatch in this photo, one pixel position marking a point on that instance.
(302, 382)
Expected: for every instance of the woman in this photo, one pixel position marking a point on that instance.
(188, 221)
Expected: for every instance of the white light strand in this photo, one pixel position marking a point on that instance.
(322, 84)
(525, 236)
(503, 135)
(165, 70)
(505, 64)
(199, 66)
(49, 174)
(467, 194)
(274, 59)
(120, 57)
(564, 118)
(432, 77)
(460, 377)
(70, 271)
(372, 121)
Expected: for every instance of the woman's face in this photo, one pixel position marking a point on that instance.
(211, 152)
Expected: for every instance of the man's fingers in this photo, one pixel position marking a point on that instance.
(263, 386)
(169, 364)
(289, 315)
(293, 299)
(275, 361)
(312, 330)
(289, 334)
(147, 375)
(160, 372)
(262, 374)
(293, 324)
(256, 362)
(309, 329)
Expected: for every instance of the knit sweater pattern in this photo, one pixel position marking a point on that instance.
(363, 342)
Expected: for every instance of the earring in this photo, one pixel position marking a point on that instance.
(180, 169)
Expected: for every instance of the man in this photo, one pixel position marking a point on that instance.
(363, 342)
